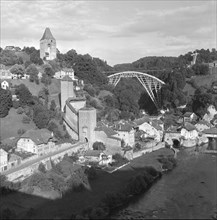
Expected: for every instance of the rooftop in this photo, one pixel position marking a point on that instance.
(39, 136)
(67, 78)
(47, 35)
(210, 131)
(92, 153)
(107, 130)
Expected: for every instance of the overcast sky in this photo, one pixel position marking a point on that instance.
(115, 31)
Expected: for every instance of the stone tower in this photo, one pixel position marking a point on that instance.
(87, 124)
(47, 46)
(67, 90)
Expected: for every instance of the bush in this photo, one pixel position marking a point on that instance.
(21, 131)
(26, 119)
(99, 146)
(119, 160)
(16, 104)
(42, 168)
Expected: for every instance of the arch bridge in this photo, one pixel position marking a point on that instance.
(151, 83)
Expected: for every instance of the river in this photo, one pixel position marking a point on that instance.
(187, 192)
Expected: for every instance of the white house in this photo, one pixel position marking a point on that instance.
(202, 125)
(189, 135)
(107, 135)
(211, 112)
(3, 160)
(189, 116)
(65, 72)
(98, 157)
(38, 141)
(125, 132)
(5, 84)
(151, 129)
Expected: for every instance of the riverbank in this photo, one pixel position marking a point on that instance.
(188, 192)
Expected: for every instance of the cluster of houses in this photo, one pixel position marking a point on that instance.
(116, 137)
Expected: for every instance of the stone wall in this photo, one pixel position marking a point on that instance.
(22, 172)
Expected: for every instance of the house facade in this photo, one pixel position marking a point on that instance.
(125, 132)
(3, 160)
(97, 157)
(189, 116)
(5, 85)
(107, 136)
(38, 142)
(202, 125)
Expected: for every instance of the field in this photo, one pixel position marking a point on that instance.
(10, 124)
(75, 202)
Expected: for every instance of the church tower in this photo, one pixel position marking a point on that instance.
(47, 46)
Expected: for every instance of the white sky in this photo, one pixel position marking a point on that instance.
(115, 31)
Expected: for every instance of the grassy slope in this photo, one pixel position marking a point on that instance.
(200, 81)
(54, 88)
(11, 123)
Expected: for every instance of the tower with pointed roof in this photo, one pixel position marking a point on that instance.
(47, 46)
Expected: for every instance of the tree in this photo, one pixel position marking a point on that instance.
(46, 79)
(99, 146)
(21, 131)
(17, 70)
(32, 71)
(24, 95)
(42, 168)
(49, 72)
(41, 118)
(201, 69)
(53, 105)
(35, 58)
(8, 57)
(5, 102)
(27, 63)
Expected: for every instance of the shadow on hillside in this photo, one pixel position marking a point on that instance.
(34, 207)
(26, 206)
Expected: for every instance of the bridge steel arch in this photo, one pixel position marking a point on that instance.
(149, 82)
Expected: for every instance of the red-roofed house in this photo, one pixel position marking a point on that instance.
(36, 141)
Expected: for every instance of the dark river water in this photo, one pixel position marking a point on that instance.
(189, 191)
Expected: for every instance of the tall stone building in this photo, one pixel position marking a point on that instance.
(67, 90)
(47, 46)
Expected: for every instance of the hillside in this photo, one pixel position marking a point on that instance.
(198, 81)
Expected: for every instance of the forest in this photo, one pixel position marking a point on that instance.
(128, 98)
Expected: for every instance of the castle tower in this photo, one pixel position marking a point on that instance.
(87, 124)
(67, 90)
(47, 46)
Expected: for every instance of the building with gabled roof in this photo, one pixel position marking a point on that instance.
(39, 141)
(47, 46)
(125, 131)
